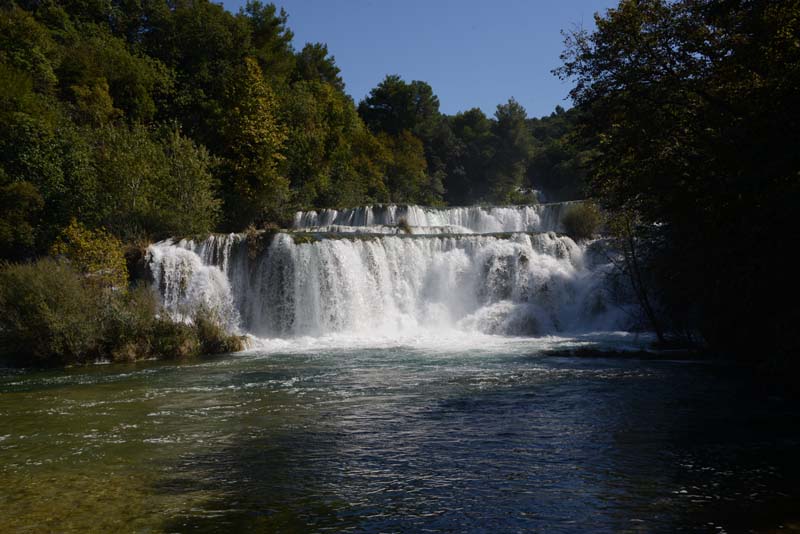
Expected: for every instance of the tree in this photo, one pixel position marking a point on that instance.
(400, 109)
(187, 201)
(97, 64)
(204, 45)
(326, 147)
(467, 180)
(27, 47)
(558, 164)
(314, 64)
(129, 166)
(20, 204)
(693, 105)
(394, 106)
(95, 253)
(405, 169)
(254, 140)
(150, 184)
(47, 314)
(513, 148)
(271, 39)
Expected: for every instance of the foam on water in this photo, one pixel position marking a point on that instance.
(450, 342)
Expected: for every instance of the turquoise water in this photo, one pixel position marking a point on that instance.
(498, 438)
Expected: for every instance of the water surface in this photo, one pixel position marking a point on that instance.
(499, 437)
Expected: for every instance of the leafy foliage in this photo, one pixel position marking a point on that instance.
(152, 118)
(693, 107)
(46, 314)
(19, 204)
(582, 221)
(95, 253)
(255, 142)
(52, 314)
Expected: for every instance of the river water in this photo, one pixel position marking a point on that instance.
(464, 434)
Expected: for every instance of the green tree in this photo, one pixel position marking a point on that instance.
(187, 194)
(405, 169)
(255, 141)
(129, 166)
(513, 147)
(467, 181)
(323, 149)
(204, 46)
(270, 38)
(95, 253)
(151, 184)
(693, 105)
(27, 46)
(20, 204)
(47, 314)
(314, 64)
(394, 106)
(407, 112)
(558, 164)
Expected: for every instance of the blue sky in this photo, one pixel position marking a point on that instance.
(473, 53)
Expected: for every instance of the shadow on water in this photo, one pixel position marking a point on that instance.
(602, 446)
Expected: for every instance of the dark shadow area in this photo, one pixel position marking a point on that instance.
(601, 446)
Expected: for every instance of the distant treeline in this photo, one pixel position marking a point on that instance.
(154, 118)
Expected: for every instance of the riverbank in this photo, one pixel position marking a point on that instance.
(51, 315)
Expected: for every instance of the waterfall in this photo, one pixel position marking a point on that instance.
(380, 283)
(472, 219)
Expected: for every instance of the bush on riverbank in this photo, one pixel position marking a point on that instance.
(51, 313)
(47, 314)
(582, 221)
(95, 253)
(212, 336)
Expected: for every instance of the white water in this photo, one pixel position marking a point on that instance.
(472, 219)
(386, 229)
(386, 289)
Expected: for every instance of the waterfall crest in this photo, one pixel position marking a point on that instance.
(471, 219)
(375, 283)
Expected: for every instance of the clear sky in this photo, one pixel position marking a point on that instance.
(473, 53)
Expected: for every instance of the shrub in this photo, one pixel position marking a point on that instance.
(96, 253)
(129, 320)
(214, 339)
(403, 226)
(174, 340)
(47, 314)
(259, 240)
(582, 221)
(51, 314)
(19, 203)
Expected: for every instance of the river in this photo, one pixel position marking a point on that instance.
(500, 437)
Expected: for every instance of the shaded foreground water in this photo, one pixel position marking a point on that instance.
(399, 439)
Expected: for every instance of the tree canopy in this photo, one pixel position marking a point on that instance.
(692, 107)
(150, 119)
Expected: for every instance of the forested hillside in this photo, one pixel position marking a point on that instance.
(153, 118)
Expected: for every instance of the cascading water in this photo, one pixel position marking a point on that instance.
(471, 219)
(358, 272)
